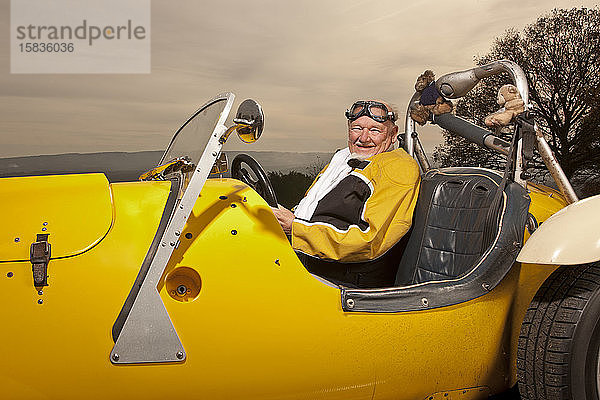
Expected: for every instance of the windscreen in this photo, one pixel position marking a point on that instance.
(191, 139)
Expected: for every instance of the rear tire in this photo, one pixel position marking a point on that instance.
(559, 344)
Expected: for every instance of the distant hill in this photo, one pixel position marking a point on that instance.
(122, 166)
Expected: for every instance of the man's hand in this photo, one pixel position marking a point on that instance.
(285, 218)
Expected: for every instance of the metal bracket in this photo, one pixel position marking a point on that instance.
(39, 255)
(148, 334)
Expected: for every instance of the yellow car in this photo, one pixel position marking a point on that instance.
(180, 286)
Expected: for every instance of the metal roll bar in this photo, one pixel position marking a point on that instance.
(409, 127)
(471, 132)
(554, 167)
(457, 84)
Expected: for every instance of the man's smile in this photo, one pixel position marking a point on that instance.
(365, 145)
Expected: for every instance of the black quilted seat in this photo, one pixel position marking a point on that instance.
(447, 235)
(446, 261)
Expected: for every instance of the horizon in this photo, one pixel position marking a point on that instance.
(160, 151)
(128, 166)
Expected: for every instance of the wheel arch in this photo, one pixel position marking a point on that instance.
(569, 237)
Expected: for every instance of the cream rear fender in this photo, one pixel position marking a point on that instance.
(571, 236)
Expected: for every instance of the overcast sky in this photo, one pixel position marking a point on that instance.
(304, 61)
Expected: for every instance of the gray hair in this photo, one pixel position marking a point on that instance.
(394, 108)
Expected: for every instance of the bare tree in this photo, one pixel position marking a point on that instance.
(560, 54)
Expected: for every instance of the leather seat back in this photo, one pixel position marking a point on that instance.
(447, 234)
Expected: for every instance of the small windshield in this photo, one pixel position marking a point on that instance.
(191, 139)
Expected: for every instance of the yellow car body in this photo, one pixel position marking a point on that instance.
(258, 326)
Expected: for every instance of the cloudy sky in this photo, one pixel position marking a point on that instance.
(304, 61)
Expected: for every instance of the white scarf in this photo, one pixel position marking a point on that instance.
(337, 170)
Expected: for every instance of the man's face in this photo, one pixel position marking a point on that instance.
(367, 137)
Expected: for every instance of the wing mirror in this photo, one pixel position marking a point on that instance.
(249, 121)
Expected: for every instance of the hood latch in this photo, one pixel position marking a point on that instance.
(40, 257)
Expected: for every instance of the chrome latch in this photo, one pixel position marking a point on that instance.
(39, 256)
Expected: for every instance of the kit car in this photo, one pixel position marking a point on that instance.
(180, 286)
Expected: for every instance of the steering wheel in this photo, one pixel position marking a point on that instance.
(262, 185)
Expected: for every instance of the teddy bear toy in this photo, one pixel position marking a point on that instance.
(510, 98)
(430, 101)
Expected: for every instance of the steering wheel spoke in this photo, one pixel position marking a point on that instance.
(261, 184)
(247, 179)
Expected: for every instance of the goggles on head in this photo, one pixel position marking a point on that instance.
(372, 109)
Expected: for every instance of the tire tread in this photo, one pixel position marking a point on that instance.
(546, 336)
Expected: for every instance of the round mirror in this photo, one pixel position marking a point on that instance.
(250, 121)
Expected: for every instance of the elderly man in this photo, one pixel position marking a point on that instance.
(348, 226)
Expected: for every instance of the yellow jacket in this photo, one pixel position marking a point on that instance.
(365, 214)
